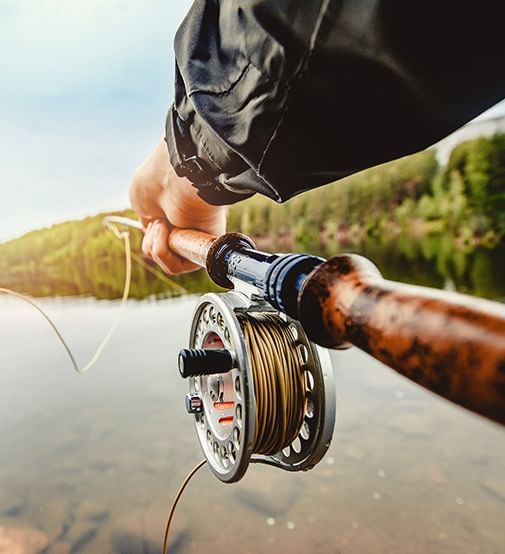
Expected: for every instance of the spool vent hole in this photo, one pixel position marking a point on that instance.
(305, 431)
(236, 435)
(304, 353)
(309, 380)
(212, 314)
(310, 408)
(232, 451)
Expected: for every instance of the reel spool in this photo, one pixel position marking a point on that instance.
(236, 419)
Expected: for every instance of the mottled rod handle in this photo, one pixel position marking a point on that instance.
(191, 245)
(450, 343)
(187, 243)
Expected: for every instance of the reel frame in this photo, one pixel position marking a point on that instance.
(225, 418)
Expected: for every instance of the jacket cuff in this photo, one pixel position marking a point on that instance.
(186, 163)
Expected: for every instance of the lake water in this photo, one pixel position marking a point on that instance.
(94, 460)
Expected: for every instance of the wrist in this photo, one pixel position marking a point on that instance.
(184, 208)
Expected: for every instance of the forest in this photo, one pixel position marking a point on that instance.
(413, 195)
(461, 204)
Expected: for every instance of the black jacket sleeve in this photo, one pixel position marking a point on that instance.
(282, 96)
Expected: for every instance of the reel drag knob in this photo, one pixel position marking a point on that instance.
(194, 403)
(194, 362)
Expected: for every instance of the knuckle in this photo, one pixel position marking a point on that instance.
(146, 248)
(160, 249)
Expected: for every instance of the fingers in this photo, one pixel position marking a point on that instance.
(155, 246)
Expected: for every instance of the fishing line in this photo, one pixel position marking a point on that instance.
(125, 237)
(158, 274)
(279, 381)
(175, 501)
(180, 491)
(279, 392)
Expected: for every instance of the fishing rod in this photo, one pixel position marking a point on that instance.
(260, 377)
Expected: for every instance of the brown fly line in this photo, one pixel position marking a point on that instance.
(279, 390)
(279, 381)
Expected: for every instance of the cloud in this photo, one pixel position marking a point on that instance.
(55, 46)
(84, 89)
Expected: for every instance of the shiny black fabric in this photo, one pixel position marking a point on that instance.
(282, 96)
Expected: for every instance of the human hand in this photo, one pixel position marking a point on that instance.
(163, 199)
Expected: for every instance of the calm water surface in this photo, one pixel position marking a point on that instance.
(93, 461)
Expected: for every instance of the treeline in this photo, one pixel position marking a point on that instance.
(468, 195)
(83, 257)
(411, 197)
(465, 198)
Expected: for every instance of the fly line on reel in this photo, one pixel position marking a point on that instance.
(257, 387)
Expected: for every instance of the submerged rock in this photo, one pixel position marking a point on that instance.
(22, 540)
(81, 533)
(91, 511)
(59, 548)
(132, 543)
(15, 510)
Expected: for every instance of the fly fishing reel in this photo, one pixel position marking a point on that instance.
(257, 387)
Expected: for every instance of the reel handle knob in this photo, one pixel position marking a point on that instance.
(204, 361)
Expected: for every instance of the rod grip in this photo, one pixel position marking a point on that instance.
(191, 245)
(450, 343)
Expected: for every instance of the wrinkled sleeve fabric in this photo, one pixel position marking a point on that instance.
(282, 96)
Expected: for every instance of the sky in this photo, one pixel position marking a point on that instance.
(84, 89)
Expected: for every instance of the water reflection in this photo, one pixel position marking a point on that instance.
(433, 260)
